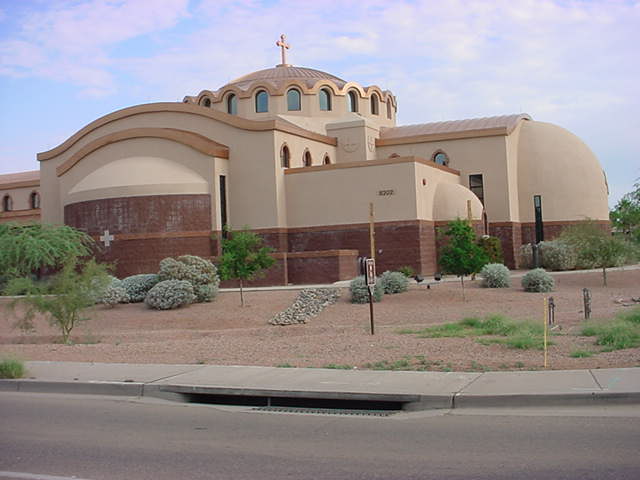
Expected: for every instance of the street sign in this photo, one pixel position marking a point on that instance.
(370, 272)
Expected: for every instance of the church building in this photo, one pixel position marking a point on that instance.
(297, 155)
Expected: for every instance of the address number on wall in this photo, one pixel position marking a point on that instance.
(386, 193)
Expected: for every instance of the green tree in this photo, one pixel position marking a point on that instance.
(625, 216)
(62, 300)
(27, 248)
(461, 255)
(244, 257)
(595, 247)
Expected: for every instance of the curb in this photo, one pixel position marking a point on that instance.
(409, 402)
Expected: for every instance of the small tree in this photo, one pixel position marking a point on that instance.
(461, 255)
(27, 248)
(63, 300)
(625, 216)
(244, 257)
(596, 248)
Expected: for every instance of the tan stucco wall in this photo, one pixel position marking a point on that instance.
(556, 164)
(20, 196)
(483, 155)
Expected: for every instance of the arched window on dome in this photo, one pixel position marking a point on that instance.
(440, 158)
(34, 200)
(293, 100)
(389, 109)
(352, 101)
(232, 104)
(262, 101)
(324, 97)
(327, 159)
(285, 156)
(205, 102)
(306, 159)
(7, 203)
(374, 104)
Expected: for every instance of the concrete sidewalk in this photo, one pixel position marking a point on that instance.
(413, 390)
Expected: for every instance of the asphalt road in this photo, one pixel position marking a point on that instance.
(56, 437)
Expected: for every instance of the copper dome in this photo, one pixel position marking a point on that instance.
(283, 73)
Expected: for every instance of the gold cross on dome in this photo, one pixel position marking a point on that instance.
(284, 46)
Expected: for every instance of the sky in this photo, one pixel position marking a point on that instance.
(65, 63)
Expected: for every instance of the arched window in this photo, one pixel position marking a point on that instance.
(262, 101)
(352, 101)
(389, 114)
(205, 102)
(284, 156)
(306, 159)
(7, 204)
(374, 104)
(34, 200)
(327, 159)
(293, 100)
(232, 104)
(325, 100)
(441, 158)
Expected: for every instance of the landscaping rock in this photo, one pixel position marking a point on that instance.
(309, 303)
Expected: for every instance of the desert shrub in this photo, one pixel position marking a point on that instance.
(360, 291)
(557, 255)
(525, 256)
(407, 271)
(492, 248)
(170, 294)
(537, 280)
(113, 294)
(495, 275)
(11, 368)
(137, 286)
(200, 273)
(394, 282)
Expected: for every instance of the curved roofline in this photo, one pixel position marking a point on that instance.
(174, 107)
(197, 142)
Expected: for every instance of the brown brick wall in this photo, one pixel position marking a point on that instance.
(510, 235)
(553, 230)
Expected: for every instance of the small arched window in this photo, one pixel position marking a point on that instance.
(306, 159)
(441, 158)
(325, 100)
(352, 101)
(262, 102)
(389, 113)
(7, 204)
(232, 104)
(374, 104)
(285, 156)
(34, 200)
(327, 159)
(293, 100)
(205, 102)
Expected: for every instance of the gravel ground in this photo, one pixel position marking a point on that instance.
(224, 333)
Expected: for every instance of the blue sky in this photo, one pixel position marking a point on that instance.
(64, 63)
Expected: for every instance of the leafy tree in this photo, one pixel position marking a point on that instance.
(244, 257)
(626, 214)
(595, 247)
(27, 248)
(63, 299)
(461, 255)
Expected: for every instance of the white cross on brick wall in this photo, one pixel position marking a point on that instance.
(106, 238)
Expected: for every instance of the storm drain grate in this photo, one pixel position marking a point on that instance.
(327, 411)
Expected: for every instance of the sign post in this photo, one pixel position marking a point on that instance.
(370, 278)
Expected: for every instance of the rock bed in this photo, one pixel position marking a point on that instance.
(309, 303)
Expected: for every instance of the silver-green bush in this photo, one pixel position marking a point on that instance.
(557, 255)
(495, 275)
(137, 286)
(538, 280)
(170, 294)
(113, 294)
(360, 291)
(394, 282)
(200, 273)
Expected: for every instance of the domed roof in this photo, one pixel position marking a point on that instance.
(283, 73)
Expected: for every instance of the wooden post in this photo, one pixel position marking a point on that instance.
(372, 239)
(546, 329)
(469, 214)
